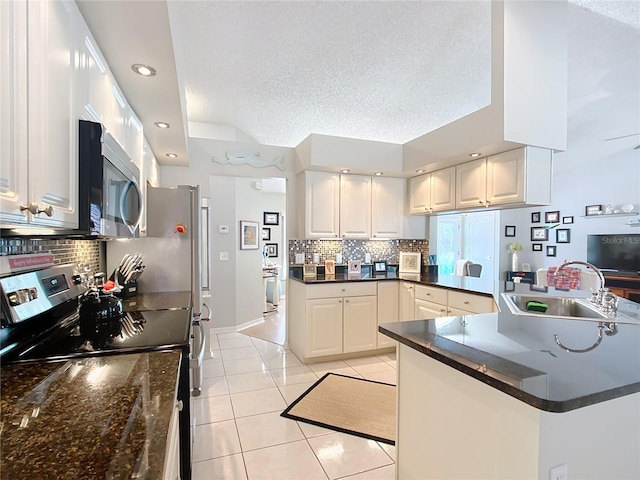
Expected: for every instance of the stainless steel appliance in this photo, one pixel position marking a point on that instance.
(109, 197)
(172, 255)
(42, 320)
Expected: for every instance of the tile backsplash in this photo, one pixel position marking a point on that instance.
(85, 253)
(356, 249)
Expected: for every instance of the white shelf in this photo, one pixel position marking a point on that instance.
(624, 214)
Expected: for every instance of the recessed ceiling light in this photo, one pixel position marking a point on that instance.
(377, 174)
(162, 124)
(172, 155)
(345, 170)
(420, 171)
(474, 154)
(144, 70)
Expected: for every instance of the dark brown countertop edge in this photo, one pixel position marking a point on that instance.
(554, 406)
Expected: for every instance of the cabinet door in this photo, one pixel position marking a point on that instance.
(13, 114)
(443, 189)
(420, 194)
(52, 119)
(505, 177)
(425, 310)
(172, 456)
(471, 184)
(322, 204)
(360, 324)
(407, 296)
(355, 206)
(388, 309)
(92, 78)
(324, 327)
(387, 207)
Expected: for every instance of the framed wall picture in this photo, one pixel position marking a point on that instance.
(552, 217)
(248, 235)
(272, 249)
(510, 231)
(535, 217)
(592, 210)
(410, 262)
(271, 218)
(309, 270)
(551, 250)
(540, 234)
(266, 233)
(536, 247)
(563, 235)
(329, 267)
(567, 220)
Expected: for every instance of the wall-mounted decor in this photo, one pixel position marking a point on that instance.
(540, 234)
(248, 235)
(551, 250)
(535, 217)
(510, 231)
(536, 247)
(410, 262)
(552, 217)
(271, 218)
(567, 220)
(563, 235)
(272, 249)
(592, 210)
(266, 233)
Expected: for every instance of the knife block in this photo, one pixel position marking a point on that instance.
(128, 289)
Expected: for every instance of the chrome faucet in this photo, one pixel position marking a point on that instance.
(605, 300)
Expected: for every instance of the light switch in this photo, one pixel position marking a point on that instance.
(316, 258)
(224, 256)
(300, 258)
(223, 229)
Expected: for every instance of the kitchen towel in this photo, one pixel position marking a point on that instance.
(567, 278)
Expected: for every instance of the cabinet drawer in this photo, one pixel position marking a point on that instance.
(341, 290)
(431, 294)
(471, 303)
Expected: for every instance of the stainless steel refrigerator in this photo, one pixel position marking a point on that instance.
(172, 255)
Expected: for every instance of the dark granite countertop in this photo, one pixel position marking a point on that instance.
(88, 418)
(452, 282)
(518, 354)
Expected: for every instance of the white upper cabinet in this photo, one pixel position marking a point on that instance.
(471, 184)
(43, 33)
(387, 207)
(443, 189)
(355, 206)
(93, 75)
(420, 194)
(321, 204)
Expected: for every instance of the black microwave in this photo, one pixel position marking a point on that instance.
(109, 198)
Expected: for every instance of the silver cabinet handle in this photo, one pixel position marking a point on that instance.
(466, 302)
(35, 209)
(179, 405)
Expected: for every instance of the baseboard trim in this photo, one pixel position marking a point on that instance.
(237, 328)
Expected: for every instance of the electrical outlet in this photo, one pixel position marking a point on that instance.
(224, 256)
(299, 258)
(559, 472)
(316, 258)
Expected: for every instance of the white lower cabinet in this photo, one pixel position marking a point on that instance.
(172, 457)
(324, 327)
(424, 310)
(360, 324)
(406, 301)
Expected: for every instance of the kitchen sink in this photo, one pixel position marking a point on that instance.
(559, 307)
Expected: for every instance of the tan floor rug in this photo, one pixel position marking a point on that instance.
(351, 405)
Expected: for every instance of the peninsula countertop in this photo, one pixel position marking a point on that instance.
(100, 417)
(518, 354)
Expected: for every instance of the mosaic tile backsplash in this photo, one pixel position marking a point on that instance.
(85, 253)
(356, 249)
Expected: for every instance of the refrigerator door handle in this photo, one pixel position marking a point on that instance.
(207, 317)
(195, 362)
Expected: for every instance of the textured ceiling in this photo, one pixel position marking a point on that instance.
(385, 71)
(276, 72)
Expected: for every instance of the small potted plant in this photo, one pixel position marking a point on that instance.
(514, 248)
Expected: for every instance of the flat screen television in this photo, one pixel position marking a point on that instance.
(620, 252)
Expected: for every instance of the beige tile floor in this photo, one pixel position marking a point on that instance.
(239, 432)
